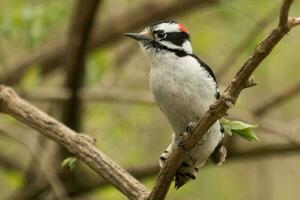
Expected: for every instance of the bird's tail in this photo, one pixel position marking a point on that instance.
(196, 158)
(186, 172)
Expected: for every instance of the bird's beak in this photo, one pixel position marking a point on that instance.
(136, 36)
(143, 36)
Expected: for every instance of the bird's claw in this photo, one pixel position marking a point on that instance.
(190, 127)
(181, 145)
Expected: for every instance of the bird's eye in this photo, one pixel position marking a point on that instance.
(160, 35)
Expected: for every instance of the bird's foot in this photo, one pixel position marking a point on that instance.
(182, 146)
(190, 127)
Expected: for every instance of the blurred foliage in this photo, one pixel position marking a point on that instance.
(135, 135)
(32, 19)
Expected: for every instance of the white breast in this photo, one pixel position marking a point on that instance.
(182, 88)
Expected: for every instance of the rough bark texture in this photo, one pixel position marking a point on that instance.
(79, 145)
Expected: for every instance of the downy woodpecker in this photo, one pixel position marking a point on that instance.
(183, 87)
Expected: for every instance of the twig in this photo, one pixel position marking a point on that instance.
(294, 21)
(226, 101)
(277, 100)
(148, 12)
(78, 144)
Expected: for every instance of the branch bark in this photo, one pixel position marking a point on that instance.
(78, 144)
(148, 12)
(226, 101)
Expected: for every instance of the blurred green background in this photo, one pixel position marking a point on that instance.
(135, 133)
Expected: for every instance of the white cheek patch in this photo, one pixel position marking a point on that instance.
(187, 46)
(167, 27)
(170, 45)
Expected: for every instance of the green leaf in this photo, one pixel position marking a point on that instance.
(239, 128)
(69, 162)
(238, 125)
(247, 134)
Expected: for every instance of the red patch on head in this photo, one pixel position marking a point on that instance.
(182, 28)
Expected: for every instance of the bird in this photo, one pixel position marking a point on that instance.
(183, 87)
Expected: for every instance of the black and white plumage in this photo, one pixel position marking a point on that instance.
(183, 87)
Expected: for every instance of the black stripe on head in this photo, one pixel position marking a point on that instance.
(158, 46)
(177, 38)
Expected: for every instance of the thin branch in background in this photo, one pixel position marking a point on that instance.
(88, 95)
(51, 128)
(80, 145)
(9, 163)
(271, 126)
(53, 55)
(76, 50)
(34, 178)
(237, 51)
(54, 182)
(92, 183)
(236, 155)
(226, 101)
(282, 97)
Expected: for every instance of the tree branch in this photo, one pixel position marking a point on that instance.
(148, 12)
(78, 144)
(79, 32)
(226, 101)
(294, 21)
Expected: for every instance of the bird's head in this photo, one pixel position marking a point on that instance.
(165, 36)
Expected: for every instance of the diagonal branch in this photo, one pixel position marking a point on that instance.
(78, 144)
(111, 30)
(226, 101)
